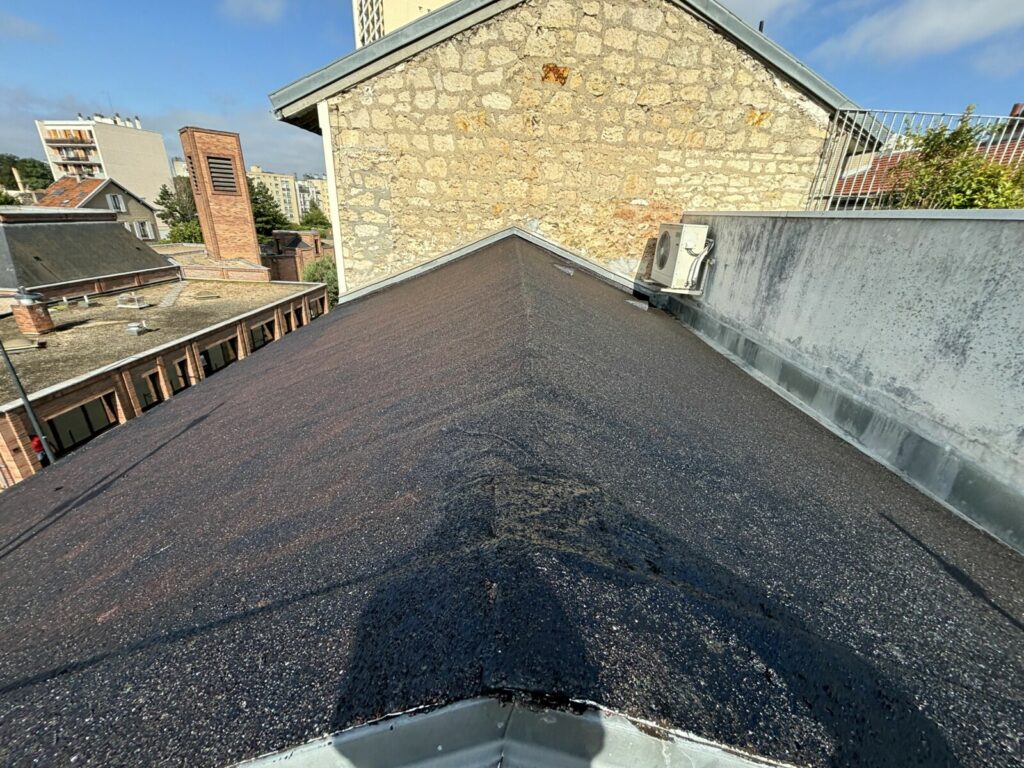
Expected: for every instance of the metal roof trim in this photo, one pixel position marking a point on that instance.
(487, 732)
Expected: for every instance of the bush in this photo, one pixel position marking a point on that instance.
(324, 270)
(947, 170)
(185, 232)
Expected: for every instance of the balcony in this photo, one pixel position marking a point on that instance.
(68, 142)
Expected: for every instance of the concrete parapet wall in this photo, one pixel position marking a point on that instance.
(903, 330)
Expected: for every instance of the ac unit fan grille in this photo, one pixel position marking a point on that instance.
(663, 250)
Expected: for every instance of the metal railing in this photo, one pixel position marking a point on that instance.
(867, 153)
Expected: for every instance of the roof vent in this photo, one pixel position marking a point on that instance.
(681, 262)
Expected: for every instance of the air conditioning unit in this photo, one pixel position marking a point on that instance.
(681, 261)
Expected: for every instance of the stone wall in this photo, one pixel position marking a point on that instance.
(589, 122)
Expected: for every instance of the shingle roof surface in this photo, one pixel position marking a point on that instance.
(495, 476)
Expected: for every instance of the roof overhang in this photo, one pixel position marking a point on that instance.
(296, 103)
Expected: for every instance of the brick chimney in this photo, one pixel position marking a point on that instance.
(1018, 110)
(31, 315)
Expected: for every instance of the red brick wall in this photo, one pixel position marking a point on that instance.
(256, 274)
(225, 217)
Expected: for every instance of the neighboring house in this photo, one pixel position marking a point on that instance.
(590, 123)
(374, 19)
(137, 216)
(46, 245)
(291, 252)
(107, 148)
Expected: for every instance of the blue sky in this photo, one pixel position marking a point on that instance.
(212, 62)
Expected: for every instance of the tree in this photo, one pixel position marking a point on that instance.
(266, 213)
(316, 219)
(324, 270)
(945, 169)
(35, 174)
(185, 232)
(8, 199)
(179, 206)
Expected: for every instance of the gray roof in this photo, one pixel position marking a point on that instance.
(34, 254)
(296, 102)
(496, 478)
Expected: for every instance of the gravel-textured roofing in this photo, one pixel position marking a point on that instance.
(496, 477)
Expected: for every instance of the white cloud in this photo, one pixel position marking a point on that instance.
(772, 11)
(915, 28)
(1001, 59)
(265, 141)
(266, 11)
(16, 28)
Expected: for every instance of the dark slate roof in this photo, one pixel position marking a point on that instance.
(55, 252)
(496, 477)
(296, 102)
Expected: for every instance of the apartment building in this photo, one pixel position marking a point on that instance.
(376, 18)
(282, 189)
(311, 191)
(107, 148)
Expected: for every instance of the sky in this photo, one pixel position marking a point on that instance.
(212, 63)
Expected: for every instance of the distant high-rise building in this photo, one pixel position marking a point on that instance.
(179, 167)
(312, 190)
(102, 147)
(376, 18)
(281, 187)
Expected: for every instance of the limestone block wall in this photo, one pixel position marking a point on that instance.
(590, 122)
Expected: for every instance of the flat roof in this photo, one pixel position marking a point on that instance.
(89, 338)
(497, 478)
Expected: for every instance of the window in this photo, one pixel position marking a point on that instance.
(222, 175)
(78, 426)
(116, 203)
(142, 230)
(128, 226)
(219, 356)
(177, 375)
(147, 387)
(263, 334)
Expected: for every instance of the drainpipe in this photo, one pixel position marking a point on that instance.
(28, 406)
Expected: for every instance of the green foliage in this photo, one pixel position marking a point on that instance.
(185, 232)
(266, 213)
(324, 270)
(946, 170)
(35, 174)
(179, 205)
(8, 199)
(316, 219)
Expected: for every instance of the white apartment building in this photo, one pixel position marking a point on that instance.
(312, 190)
(282, 189)
(107, 148)
(376, 18)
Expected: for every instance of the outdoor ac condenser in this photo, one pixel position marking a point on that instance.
(681, 259)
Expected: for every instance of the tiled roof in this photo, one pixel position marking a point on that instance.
(70, 192)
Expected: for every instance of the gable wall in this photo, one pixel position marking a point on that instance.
(590, 122)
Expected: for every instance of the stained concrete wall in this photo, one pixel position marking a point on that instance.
(905, 329)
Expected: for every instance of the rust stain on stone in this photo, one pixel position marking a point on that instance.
(468, 122)
(555, 74)
(757, 118)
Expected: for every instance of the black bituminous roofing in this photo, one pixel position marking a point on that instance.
(496, 477)
(41, 254)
